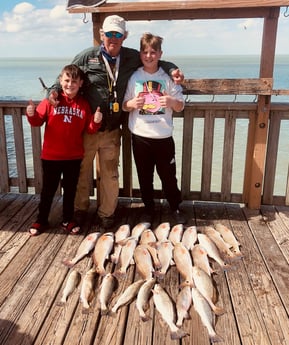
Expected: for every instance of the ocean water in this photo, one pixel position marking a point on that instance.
(19, 80)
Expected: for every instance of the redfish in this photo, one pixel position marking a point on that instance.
(204, 310)
(101, 251)
(71, 284)
(122, 233)
(85, 247)
(165, 307)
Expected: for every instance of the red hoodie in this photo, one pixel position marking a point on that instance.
(64, 127)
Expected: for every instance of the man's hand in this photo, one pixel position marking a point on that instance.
(30, 109)
(177, 76)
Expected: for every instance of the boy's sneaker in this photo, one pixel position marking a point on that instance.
(106, 222)
(179, 217)
(37, 228)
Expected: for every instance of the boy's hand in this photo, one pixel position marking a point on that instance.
(30, 109)
(52, 98)
(177, 76)
(137, 102)
(97, 115)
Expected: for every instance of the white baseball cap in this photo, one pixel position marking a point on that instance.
(114, 23)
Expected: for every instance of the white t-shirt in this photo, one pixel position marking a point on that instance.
(152, 121)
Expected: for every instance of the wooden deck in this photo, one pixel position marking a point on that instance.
(254, 293)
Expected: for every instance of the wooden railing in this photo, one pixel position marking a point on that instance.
(213, 143)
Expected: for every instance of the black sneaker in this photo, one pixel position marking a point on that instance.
(80, 217)
(106, 222)
(147, 215)
(178, 217)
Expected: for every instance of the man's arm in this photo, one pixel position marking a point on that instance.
(172, 70)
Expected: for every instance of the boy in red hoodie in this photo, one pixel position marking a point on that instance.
(62, 150)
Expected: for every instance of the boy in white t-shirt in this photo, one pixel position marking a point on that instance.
(150, 98)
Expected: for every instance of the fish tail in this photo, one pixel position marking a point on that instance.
(178, 334)
(100, 270)
(218, 310)
(118, 274)
(145, 318)
(68, 263)
(215, 338)
(114, 259)
(86, 309)
(104, 311)
(160, 275)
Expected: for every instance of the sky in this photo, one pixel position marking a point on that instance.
(44, 28)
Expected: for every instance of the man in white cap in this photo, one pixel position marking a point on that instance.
(107, 68)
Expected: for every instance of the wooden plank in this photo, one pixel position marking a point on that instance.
(13, 234)
(207, 154)
(207, 214)
(259, 153)
(36, 151)
(4, 170)
(34, 315)
(277, 250)
(138, 331)
(188, 128)
(20, 151)
(249, 86)
(228, 152)
(271, 157)
(262, 119)
(273, 315)
(176, 5)
(60, 318)
(127, 160)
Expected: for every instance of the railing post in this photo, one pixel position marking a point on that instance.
(263, 110)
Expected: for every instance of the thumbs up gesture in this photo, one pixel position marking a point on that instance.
(97, 115)
(30, 109)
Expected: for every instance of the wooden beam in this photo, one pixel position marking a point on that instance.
(164, 6)
(258, 86)
(263, 111)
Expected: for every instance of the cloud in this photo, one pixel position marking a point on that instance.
(51, 31)
(31, 31)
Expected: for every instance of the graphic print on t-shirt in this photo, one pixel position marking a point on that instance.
(151, 90)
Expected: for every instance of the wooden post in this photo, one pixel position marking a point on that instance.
(97, 20)
(263, 110)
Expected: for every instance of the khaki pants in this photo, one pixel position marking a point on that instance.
(105, 146)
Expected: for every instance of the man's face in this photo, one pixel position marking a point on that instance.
(112, 41)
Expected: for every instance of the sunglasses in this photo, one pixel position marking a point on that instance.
(113, 34)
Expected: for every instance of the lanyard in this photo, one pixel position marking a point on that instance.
(113, 77)
(111, 80)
